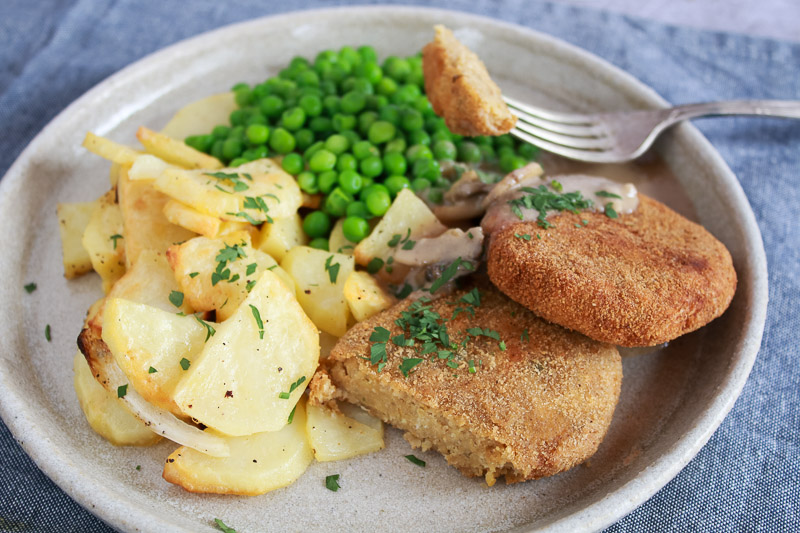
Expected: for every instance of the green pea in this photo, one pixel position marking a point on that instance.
(331, 104)
(505, 150)
(313, 149)
(320, 125)
(327, 181)
(376, 101)
(220, 132)
(349, 54)
(395, 145)
(365, 120)
(406, 95)
(394, 163)
(202, 143)
(395, 184)
(423, 105)
(355, 229)
(370, 188)
(390, 113)
(378, 202)
(371, 166)
(436, 196)
(238, 161)
(370, 71)
(386, 87)
(434, 124)
(418, 151)
(346, 162)
(293, 119)
(317, 224)
(322, 161)
(308, 78)
(381, 131)
(352, 136)
(427, 168)
(236, 117)
(232, 148)
(350, 181)
(504, 140)
(396, 67)
(257, 152)
(444, 150)
(337, 144)
(487, 152)
(237, 132)
(243, 96)
(311, 104)
(304, 138)
(298, 61)
(240, 85)
(216, 148)
(293, 163)
(509, 163)
(368, 53)
(257, 133)
(419, 137)
(342, 122)
(528, 151)
(361, 85)
(335, 73)
(281, 141)
(358, 209)
(336, 202)
(353, 102)
(482, 140)
(411, 120)
(320, 243)
(307, 181)
(271, 105)
(364, 149)
(328, 87)
(420, 184)
(469, 152)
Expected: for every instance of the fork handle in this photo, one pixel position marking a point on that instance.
(768, 108)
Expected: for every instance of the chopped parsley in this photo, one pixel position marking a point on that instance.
(246, 216)
(222, 527)
(259, 323)
(234, 178)
(524, 236)
(176, 298)
(209, 330)
(292, 387)
(122, 390)
(30, 287)
(226, 255)
(405, 291)
(408, 364)
(114, 238)
(193, 274)
(151, 370)
(251, 268)
(609, 210)
(449, 272)
(471, 366)
(375, 265)
(485, 332)
(250, 285)
(332, 269)
(332, 482)
(416, 460)
(543, 200)
(47, 333)
(257, 203)
(185, 363)
(606, 194)
(525, 337)
(291, 415)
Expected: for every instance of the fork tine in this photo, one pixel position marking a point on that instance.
(585, 143)
(563, 118)
(572, 153)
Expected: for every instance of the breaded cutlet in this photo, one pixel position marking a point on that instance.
(638, 280)
(536, 405)
(460, 89)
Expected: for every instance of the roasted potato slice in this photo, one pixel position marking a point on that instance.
(110, 150)
(282, 235)
(73, 218)
(201, 116)
(365, 296)
(175, 151)
(104, 242)
(334, 435)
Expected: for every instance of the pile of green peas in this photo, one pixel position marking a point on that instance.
(355, 131)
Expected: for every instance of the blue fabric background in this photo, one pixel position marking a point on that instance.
(747, 478)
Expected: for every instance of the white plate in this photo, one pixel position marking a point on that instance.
(671, 403)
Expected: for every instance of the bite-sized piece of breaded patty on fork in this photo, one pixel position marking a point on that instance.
(641, 279)
(507, 394)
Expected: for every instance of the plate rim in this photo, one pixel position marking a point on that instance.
(624, 499)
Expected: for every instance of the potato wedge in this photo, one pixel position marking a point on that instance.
(105, 413)
(152, 347)
(146, 226)
(110, 150)
(408, 216)
(257, 464)
(282, 235)
(72, 221)
(334, 436)
(147, 167)
(175, 151)
(240, 194)
(268, 347)
(196, 264)
(191, 219)
(320, 285)
(365, 297)
(201, 116)
(103, 240)
(337, 242)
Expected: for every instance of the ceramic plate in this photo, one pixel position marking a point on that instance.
(671, 403)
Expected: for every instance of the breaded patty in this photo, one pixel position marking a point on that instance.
(638, 280)
(460, 89)
(537, 404)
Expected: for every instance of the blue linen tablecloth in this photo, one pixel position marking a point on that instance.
(747, 478)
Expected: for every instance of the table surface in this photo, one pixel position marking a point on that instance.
(747, 478)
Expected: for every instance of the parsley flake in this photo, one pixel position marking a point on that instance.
(259, 323)
(47, 333)
(291, 415)
(449, 272)
(332, 482)
(185, 363)
(606, 194)
(193, 274)
(543, 200)
(332, 269)
(610, 211)
(408, 364)
(30, 287)
(222, 527)
(176, 298)
(375, 265)
(209, 330)
(292, 387)
(151, 370)
(122, 390)
(524, 236)
(251, 268)
(416, 460)
(114, 238)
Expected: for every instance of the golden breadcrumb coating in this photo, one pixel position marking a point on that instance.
(638, 280)
(460, 89)
(535, 406)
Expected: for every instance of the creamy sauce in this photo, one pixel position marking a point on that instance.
(447, 247)
(592, 188)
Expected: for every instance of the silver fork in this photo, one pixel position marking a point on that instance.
(623, 136)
